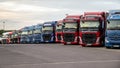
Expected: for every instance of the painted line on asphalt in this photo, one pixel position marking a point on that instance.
(99, 61)
(54, 63)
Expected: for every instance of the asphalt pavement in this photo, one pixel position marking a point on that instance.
(57, 56)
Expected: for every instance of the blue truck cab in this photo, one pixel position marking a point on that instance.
(37, 33)
(48, 31)
(24, 35)
(112, 36)
(30, 34)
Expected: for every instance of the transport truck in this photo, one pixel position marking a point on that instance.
(7, 37)
(12, 38)
(92, 29)
(58, 32)
(48, 31)
(15, 37)
(24, 35)
(112, 35)
(3, 40)
(70, 33)
(30, 34)
(37, 33)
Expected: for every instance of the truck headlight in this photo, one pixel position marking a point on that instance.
(28, 40)
(33, 39)
(21, 39)
(106, 40)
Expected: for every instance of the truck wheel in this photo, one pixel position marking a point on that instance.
(103, 43)
(108, 47)
(65, 43)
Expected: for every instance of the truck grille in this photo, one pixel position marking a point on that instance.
(38, 36)
(68, 37)
(89, 38)
(59, 36)
(115, 37)
(47, 37)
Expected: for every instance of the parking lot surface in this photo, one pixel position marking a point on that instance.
(57, 56)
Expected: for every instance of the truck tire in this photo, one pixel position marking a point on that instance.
(108, 47)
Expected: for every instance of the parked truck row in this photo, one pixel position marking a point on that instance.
(88, 29)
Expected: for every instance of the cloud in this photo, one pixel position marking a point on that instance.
(20, 13)
(22, 7)
(24, 14)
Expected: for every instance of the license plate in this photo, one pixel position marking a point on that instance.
(68, 42)
(116, 45)
(89, 44)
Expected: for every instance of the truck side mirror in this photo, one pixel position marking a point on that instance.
(83, 21)
(63, 26)
(57, 25)
(43, 26)
(53, 28)
(108, 21)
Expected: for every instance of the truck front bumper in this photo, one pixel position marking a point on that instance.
(112, 44)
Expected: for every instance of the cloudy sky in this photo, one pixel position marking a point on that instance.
(19, 13)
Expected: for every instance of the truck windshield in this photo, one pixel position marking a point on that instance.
(114, 25)
(30, 32)
(16, 35)
(89, 25)
(24, 33)
(59, 28)
(12, 36)
(36, 31)
(70, 26)
(47, 29)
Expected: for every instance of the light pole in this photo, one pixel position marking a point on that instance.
(3, 25)
(66, 14)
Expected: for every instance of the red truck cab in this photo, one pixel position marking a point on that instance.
(58, 32)
(7, 36)
(92, 29)
(70, 33)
